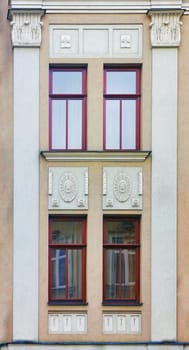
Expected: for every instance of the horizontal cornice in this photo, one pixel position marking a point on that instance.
(132, 156)
(88, 6)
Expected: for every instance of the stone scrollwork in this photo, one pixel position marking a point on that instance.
(165, 28)
(26, 28)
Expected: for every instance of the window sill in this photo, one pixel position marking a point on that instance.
(121, 303)
(67, 303)
(96, 156)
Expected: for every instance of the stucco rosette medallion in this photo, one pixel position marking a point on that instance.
(68, 188)
(122, 187)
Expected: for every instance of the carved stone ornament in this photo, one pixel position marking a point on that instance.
(165, 28)
(26, 28)
(68, 187)
(65, 41)
(125, 41)
(122, 187)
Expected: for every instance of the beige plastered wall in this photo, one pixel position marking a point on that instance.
(6, 167)
(95, 213)
(183, 184)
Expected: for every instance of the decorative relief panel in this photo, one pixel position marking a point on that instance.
(95, 40)
(26, 28)
(165, 28)
(67, 323)
(122, 323)
(122, 188)
(68, 188)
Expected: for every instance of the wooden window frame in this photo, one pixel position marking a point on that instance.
(80, 246)
(136, 96)
(120, 246)
(82, 96)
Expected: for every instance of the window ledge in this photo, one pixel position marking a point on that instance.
(121, 303)
(66, 303)
(96, 156)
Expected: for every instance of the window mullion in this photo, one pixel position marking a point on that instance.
(120, 273)
(120, 145)
(67, 288)
(67, 126)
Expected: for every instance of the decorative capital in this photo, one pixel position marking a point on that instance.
(26, 28)
(165, 28)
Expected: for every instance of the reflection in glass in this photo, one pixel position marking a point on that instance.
(120, 232)
(121, 82)
(58, 124)
(66, 232)
(112, 124)
(66, 273)
(120, 275)
(75, 124)
(128, 124)
(67, 82)
(58, 273)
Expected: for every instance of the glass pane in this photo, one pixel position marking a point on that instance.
(75, 124)
(120, 232)
(58, 124)
(112, 124)
(121, 82)
(128, 124)
(67, 82)
(112, 273)
(74, 274)
(66, 232)
(58, 261)
(128, 285)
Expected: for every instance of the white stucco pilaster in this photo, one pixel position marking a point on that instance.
(165, 36)
(26, 175)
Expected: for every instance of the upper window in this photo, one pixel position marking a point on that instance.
(121, 259)
(121, 108)
(67, 255)
(67, 108)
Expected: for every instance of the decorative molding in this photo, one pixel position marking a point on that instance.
(122, 323)
(26, 28)
(65, 323)
(165, 28)
(90, 6)
(68, 188)
(122, 188)
(138, 156)
(94, 40)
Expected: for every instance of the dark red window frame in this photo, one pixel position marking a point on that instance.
(76, 246)
(119, 246)
(82, 96)
(121, 97)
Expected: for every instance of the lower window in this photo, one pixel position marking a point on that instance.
(121, 256)
(67, 258)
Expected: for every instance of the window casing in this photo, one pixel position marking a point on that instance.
(67, 109)
(121, 259)
(67, 259)
(121, 109)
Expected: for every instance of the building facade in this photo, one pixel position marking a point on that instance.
(94, 177)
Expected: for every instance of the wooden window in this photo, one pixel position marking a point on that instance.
(121, 259)
(67, 98)
(67, 258)
(121, 109)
